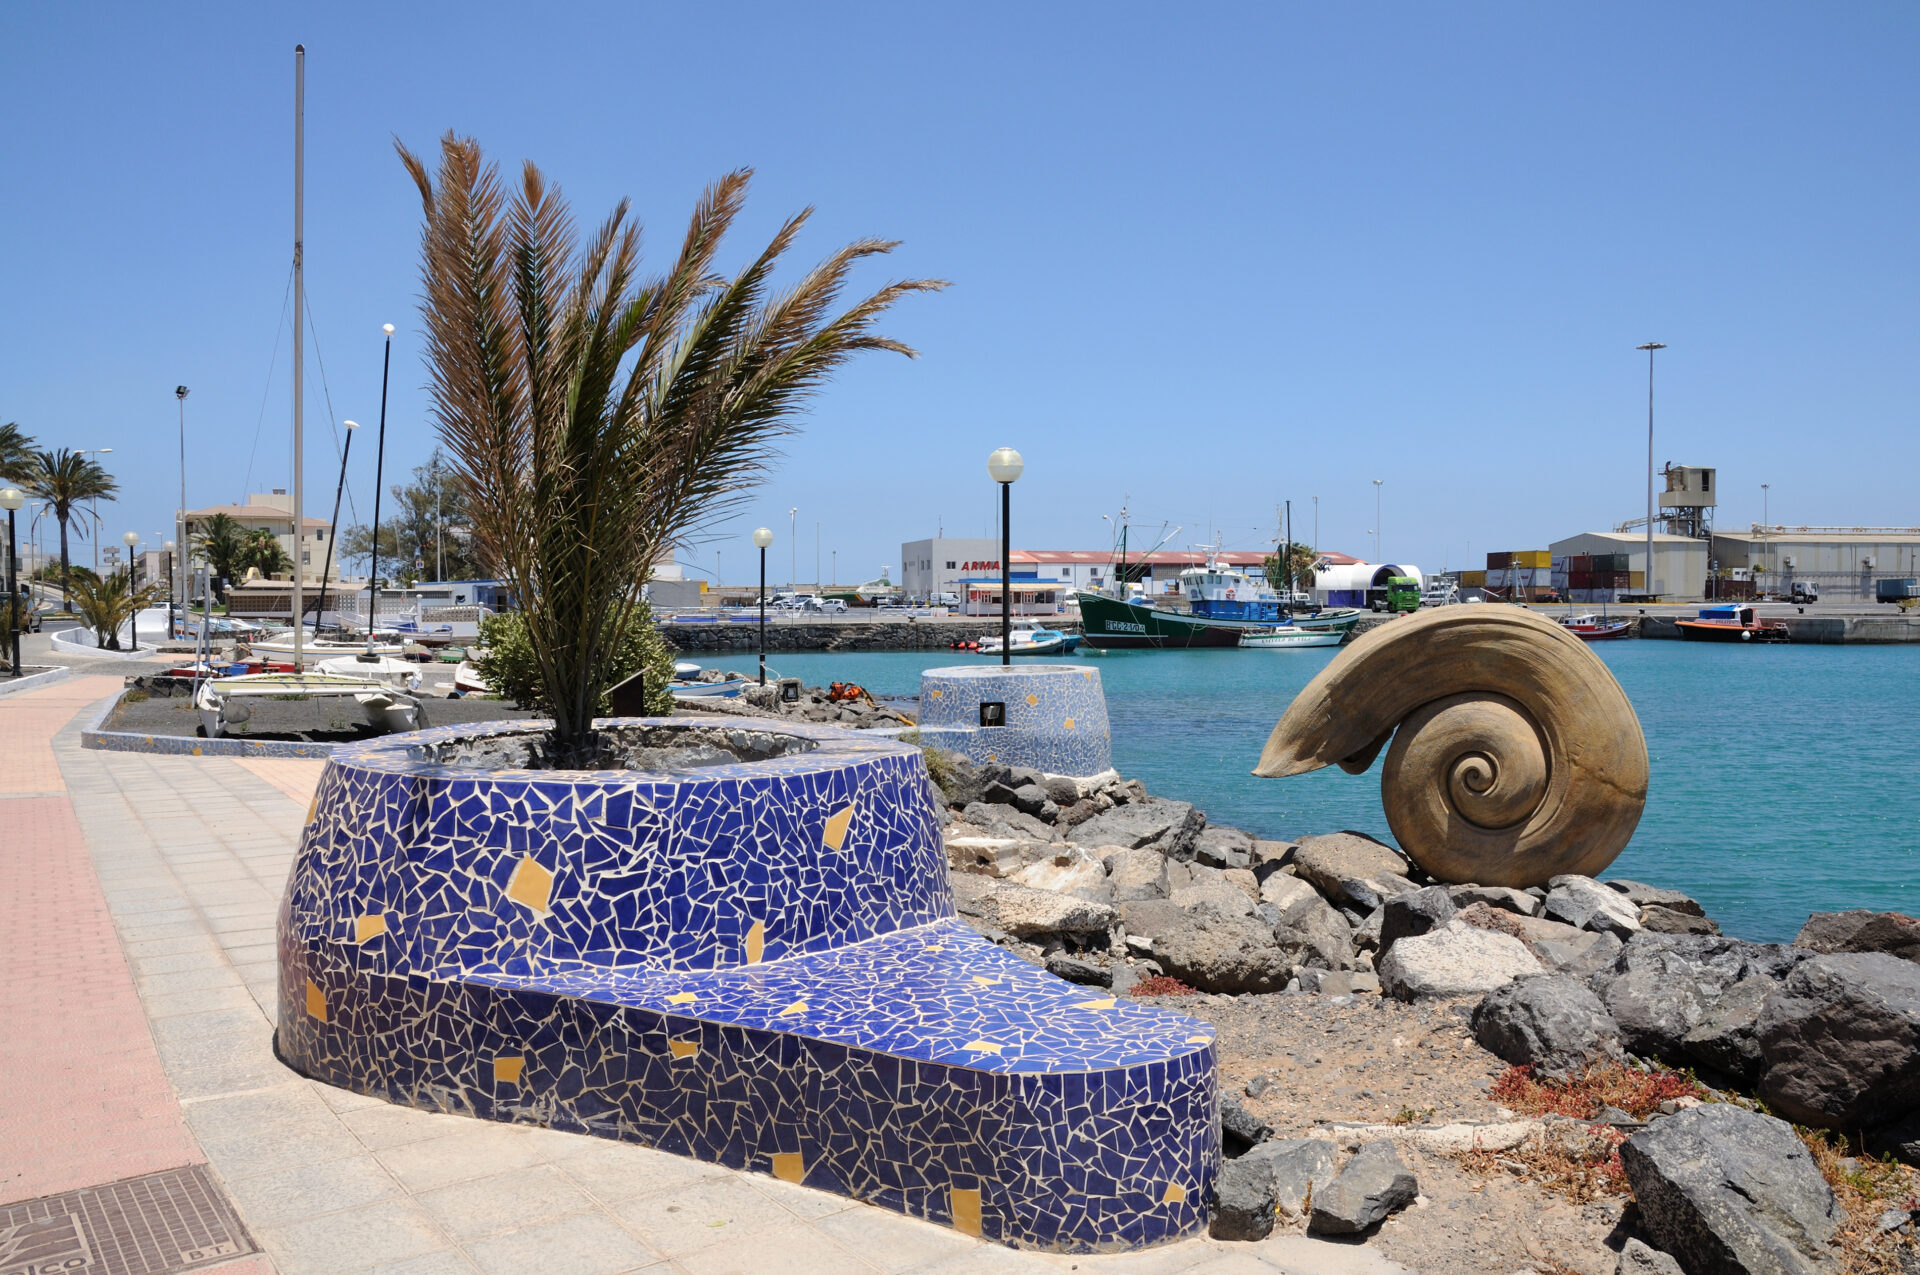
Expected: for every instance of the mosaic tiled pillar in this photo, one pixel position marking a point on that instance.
(757, 965)
(1053, 716)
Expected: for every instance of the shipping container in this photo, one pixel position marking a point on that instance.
(1473, 579)
(1499, 561)
(1581, 562)
(1542, 558)
(1636, 580)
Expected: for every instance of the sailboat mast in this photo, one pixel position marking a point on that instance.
(299, 344)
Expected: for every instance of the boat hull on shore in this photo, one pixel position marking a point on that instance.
(1291, 639)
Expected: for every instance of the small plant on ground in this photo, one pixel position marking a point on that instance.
(1409, 1115)
(135, 696)
(1867, 1189)
(1638, 1093)
(940, 767)
(1582, 1164)
(1161, 985)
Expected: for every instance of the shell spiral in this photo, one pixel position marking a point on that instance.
(1515, 755)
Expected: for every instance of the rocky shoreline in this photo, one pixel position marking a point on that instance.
(1401, 1016)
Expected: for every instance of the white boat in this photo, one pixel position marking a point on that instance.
(402, 674)
(1029, 638)
(1288, 639)
(222, 702)
(467, 680)
(710, 690)
(313, 649)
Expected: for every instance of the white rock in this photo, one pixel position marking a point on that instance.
(1584, 902)
(1069, 870)
(1459, 960)
(1284, 891)
(1025, 912)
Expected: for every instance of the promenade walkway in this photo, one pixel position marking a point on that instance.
(137, 994)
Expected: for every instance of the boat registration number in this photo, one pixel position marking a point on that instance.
(1124, 626)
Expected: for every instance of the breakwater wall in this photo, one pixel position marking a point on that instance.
(917, 633)
(1814, 630)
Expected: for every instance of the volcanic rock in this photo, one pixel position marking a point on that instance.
(1457, 960)
(1243, 1201)
(1585, 904)
(1222, 847)
(1901, 1139)
(1240, 1129)
(1210, 890)
(1637, 1259)
(1661, 986)
(1309, 930)
(1005, 821)
(1169, 826)
(1069, 870)
(1644, 896)
(1495, 896)
(1032, 799)
(1300, 1167)
(1075, 970)
(1727, 1191)
(970, 849)
(1373, 1184)
(1668, 921)
(1029, 913)
(1841, 1039)
(1415, 912)
(1554, 1023)
(1726, 1037)
(1137, 874)
(1894, 933)
(1220, 953)
(1352, 869)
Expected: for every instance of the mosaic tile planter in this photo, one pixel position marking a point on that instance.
(755, 964)
(1055, 715)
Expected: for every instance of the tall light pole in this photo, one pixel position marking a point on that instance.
(93, 506)
(10, 500)
(173, 574)
(130, 539)
(1649, 347)
(761, 539)
(816, 554)
(793, 558)
(1767, 523)
(1005, 468)
(180, 520)
(1316, 525)
(1376, 521)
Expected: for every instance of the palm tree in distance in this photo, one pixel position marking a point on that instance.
(595, 417)
(16, 453)
(263, 551)
(64, 479)
(222, 541)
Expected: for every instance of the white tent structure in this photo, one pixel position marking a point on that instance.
(1350, 585)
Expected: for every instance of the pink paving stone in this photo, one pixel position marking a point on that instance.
(87, 1101)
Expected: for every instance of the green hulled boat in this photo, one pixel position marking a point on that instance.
(1115, 625)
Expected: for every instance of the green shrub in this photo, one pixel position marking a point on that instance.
(509, 666)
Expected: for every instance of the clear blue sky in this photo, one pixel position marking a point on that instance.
(1213, 256)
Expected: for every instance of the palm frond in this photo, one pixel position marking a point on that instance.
(594, 416)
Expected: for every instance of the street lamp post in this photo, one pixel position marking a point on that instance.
(93, 506)
(1376, 521)
(131, 539)
(761, 539)
(180, 520)
(793, 558)
(1649, 347)
(171, 548)
(1005, 468)
(10, 500)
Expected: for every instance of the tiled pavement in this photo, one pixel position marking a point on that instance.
(191, 855)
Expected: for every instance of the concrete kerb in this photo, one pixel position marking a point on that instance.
(63, 646)
(34, 681)
(91, 736)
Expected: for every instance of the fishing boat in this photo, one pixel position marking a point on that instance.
(1116, 624)
(1290, 638)
(1729, 622)
(1595, 628)
(315, 648)
(402, 674)
(223, 701)
(1029, 638)
(467, 679)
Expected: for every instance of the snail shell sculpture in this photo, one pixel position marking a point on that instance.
(1516, 756)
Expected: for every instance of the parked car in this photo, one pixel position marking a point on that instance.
(824, 605)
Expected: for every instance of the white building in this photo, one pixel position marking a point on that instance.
(932, 567)
(273, 511)
(1679, 562)
(1842, 562)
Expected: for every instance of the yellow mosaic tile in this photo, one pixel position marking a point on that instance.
(835, 833)
(506, 1071)
(683, 1048)
(683, 998)
(798, 1007)
(316, 1001)
(1068, 724)
(1033, 701)
(756, 942)
(965, 1207)
(370, 926)
(1107, 1003)
(1174, 1194)
(982, 1047)
(789, 1166)
(531, 885)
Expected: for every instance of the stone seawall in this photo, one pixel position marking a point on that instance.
(917, 634)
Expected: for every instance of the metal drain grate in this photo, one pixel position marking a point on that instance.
(152, 1225)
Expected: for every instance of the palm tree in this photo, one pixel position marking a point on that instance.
(16, 453)
(105, 603)
(222, 542)
(263, 550)
(594, 417)
(64, 479)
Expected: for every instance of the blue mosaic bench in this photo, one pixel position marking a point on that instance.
(756, 965)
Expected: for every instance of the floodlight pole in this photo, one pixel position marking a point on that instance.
(1646, 589)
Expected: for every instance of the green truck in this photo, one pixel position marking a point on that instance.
(1403, 594)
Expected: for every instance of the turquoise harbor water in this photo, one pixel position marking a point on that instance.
(1786, 780)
